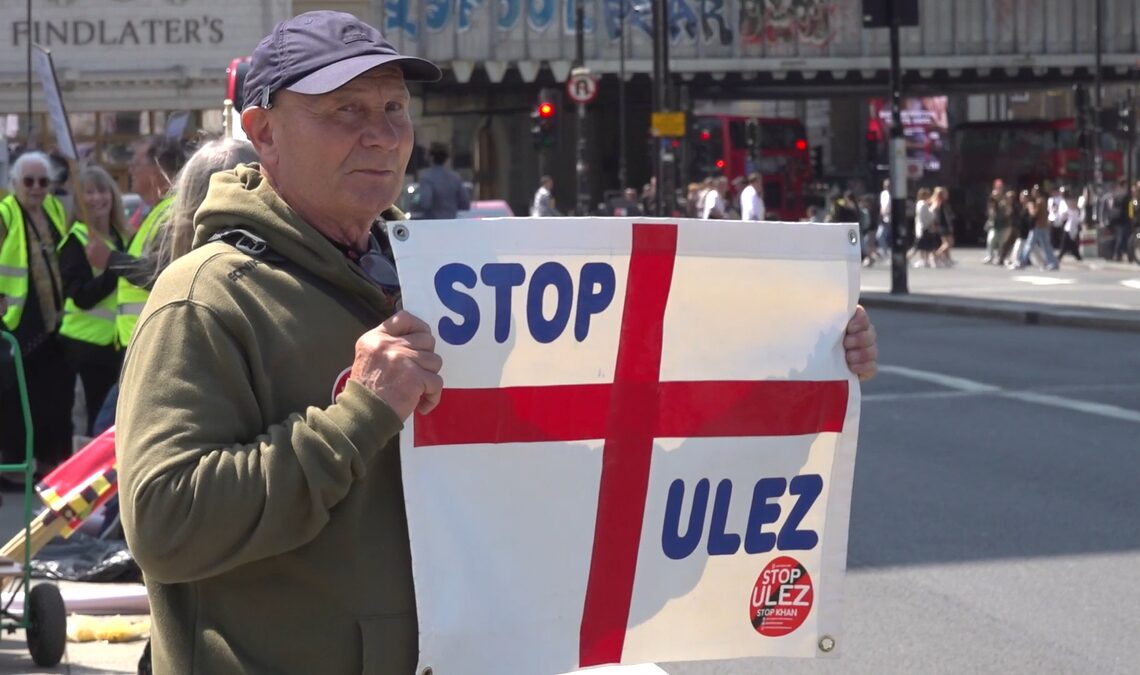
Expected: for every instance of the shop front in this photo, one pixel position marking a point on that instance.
(125, 68)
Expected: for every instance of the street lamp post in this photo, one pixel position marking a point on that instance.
(1098, 155)
(622, 178)
(898, 162)
(583, 201)
(662, 152)
(30, 33)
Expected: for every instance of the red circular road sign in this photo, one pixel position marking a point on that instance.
(582, 88)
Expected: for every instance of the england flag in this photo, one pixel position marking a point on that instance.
(645, 445)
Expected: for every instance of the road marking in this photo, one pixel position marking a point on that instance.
(948, 381)
(910, 396)
(1131, 283)
(1045, 281)
(972, 387)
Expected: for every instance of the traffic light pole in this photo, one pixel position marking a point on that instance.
(623, 179)
(898, 163)
(1128, 119)
(1098, 155)
(662, 153)
(583, 201)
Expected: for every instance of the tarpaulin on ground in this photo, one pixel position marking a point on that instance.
(645, 445)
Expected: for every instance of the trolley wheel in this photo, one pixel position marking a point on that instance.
(47, 625)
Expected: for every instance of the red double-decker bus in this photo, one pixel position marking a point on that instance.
(1027, 152)
(776, 147)
(235, 83)
(1023, 153)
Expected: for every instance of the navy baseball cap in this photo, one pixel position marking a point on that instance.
(317, 52)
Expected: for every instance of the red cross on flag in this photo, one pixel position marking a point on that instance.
(645, 445)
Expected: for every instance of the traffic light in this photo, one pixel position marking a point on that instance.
(817, 161)
(1080, 99)
(876, 13)
(1109, 119)
(544, 121)
(752, 135)
(1127, 120)
(703, 161)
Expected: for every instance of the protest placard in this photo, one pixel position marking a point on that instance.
(645, 445)
(45, 70)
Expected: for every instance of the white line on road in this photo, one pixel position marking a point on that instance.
(1044, 281)
(970, 386)
(948, 381)
(1131, 283)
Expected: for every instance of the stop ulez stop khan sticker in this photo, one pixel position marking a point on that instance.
(782, 598)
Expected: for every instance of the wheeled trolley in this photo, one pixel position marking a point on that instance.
(44, 615)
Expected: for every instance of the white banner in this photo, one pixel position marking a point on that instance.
(645, 446)
(45, 70)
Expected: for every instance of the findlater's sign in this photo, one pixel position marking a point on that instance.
(112, 35)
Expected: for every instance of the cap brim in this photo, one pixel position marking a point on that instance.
(336, 75)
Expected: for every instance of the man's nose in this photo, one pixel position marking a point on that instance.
(380, 132)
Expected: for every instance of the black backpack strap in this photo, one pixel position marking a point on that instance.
(256, 247)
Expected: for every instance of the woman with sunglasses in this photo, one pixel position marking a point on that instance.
(88, 330)
(32, 225)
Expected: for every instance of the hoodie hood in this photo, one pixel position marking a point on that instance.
(244, 199)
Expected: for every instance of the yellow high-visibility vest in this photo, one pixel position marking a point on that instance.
(14, 253)
(95, 325)
(130, 299)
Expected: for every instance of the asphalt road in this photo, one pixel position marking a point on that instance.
(995, 522)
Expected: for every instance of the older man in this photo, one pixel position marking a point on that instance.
(270, 374)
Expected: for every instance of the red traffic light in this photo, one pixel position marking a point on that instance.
(545, 110)
(720, 163)
(705, 135)
(801, 144)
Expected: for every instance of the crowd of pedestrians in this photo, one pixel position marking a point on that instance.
(1035, 226)
(1042, 226)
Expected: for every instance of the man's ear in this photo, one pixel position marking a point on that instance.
(258, 128)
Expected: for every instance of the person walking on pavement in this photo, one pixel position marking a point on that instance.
(997, 223)
(945, 220)
(1070, 218)
(542, 206)
(926, 239)
(1119, 220)
(1039, 235)
(714, 205)
(440, 193)
(264, 503)
(751, 201)
(883, 232)
(1011, 208)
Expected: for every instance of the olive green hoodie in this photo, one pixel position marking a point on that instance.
(268, 519)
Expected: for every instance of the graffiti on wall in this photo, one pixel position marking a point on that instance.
(788, 21)
(689, 20)
(438, 15)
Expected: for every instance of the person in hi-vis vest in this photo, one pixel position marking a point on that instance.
(88, 330)
(32, 224)
(156, 162)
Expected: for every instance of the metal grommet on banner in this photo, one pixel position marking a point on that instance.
(401, 232)
(427, 671)
(853, 236)
(826, 643)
